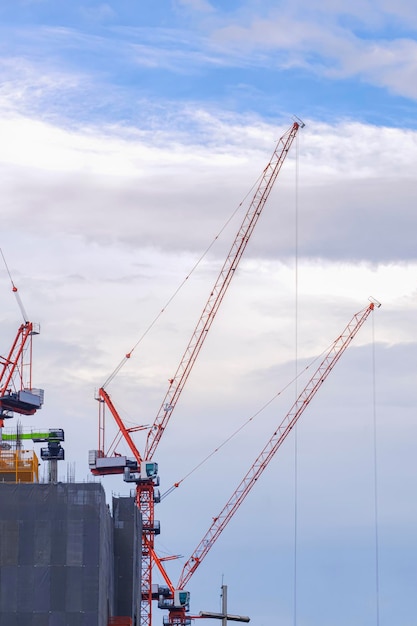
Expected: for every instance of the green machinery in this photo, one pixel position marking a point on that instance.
(52, 453)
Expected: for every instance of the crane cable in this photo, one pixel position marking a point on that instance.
(177, 484)
(180, 286)
(375, 453)
(375, 450)
(296, 389)
(15, 291)
(242, 426)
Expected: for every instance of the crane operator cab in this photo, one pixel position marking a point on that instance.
(147, 471)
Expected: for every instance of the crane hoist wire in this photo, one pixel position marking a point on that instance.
(180, 286)
(101, 464)
(281, 432)
(15, 291)
(246, 423)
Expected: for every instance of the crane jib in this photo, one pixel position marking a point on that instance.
(280, 434)
(136, 469)
(177, 382)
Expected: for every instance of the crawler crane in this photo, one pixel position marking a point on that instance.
(141, 469)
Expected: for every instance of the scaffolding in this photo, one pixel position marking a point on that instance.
(19, 466)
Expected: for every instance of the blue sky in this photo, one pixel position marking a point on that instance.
(314, 61)
(131, 131)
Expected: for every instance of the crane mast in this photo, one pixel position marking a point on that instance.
(141, 470)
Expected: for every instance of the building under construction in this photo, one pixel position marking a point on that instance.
(65, 558)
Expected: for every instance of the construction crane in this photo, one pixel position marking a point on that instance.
(17, 395)
(141, 470)
(176, 599)
(328, 362)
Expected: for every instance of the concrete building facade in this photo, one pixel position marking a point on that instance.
(65, 560)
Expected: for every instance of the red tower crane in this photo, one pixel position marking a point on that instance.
(141, 469)
(177, 603)
(13, 383)
(280, 434)
(175, 598)
(16, 392)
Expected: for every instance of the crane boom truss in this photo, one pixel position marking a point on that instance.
(219, 523)
(15, 363)
(105, 400)
(16, 392)
(250, 220)
(144, 489)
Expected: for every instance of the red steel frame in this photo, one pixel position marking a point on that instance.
(144, 497)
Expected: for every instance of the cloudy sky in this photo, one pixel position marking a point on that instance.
(131, 132)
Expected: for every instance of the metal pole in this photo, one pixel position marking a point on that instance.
(224, 605)
(224, 616)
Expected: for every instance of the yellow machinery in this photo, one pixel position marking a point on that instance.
(19, 466)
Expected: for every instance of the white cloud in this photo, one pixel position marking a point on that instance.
(317, 39)
(106, 214)
(101, 224)
(119, 185)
